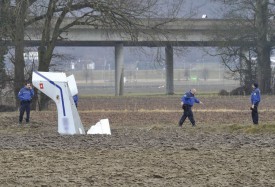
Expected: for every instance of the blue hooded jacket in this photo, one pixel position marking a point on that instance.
(75, 97)
(189, 99)
(255, 96)
(25, 94)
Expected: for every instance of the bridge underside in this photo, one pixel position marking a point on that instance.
(140, 43)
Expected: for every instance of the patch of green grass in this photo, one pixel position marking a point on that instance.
(252, 129)
(266, 128)
(235, 128)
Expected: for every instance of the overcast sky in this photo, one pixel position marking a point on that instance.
(200, 7)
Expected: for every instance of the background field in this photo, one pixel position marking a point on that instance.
(153, 81)
(146, 147)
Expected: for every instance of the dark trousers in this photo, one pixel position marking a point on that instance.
(25, 106)
(187, 112)
(255, 115)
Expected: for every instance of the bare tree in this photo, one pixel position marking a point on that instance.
(186, 74)
(263, 45)
(250, 32)
(241, 64)
(3, 47)
(14, 30)
(205, 73)
(119, 14)
(126, 15)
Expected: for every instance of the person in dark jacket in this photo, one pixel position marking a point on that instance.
(187, 101)
(25, 96)
(255, 100)
(75, 98)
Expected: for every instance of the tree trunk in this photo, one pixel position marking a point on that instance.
(263, 47)
(45, 56)
(45, 51)
(19, 63)
(3, 48)
(264, 69)
(43, 66)
(249, 72)
(242, 68)
(169, 70)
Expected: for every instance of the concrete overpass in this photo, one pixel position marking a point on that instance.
(152, 33)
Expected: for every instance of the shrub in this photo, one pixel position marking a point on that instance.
(223, 92)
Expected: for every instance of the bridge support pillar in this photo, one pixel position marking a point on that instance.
(119, 69)
(169, 70)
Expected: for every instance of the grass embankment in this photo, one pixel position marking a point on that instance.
(252, 129)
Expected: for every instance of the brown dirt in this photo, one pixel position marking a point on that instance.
(146, 147)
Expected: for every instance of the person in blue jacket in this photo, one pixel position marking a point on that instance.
(75, 98)
(255, 100)
(25, 96)
(187, 101)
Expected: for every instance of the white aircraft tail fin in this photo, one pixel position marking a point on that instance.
(58, 87)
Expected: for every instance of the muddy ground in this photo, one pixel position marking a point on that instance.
(146, 147)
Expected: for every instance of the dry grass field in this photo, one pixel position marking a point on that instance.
(146, 147)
